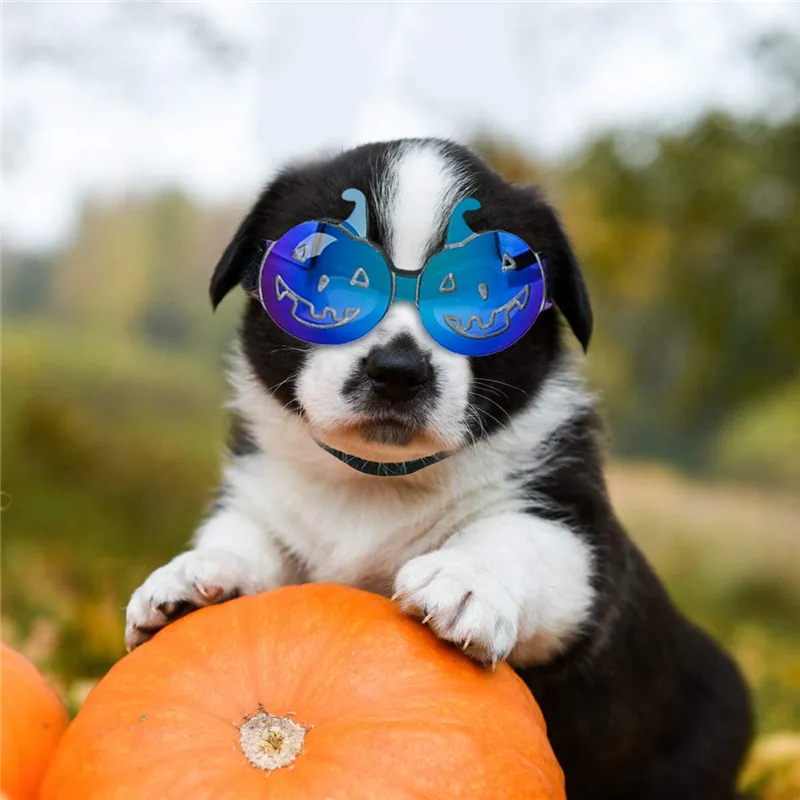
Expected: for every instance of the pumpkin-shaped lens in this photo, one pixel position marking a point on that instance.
(323, 285)
(481, 296)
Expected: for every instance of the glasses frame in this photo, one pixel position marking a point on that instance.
(397, 275)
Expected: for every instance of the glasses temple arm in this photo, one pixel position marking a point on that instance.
(548, 303)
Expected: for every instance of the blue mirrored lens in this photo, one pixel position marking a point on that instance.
(324, 286)
(480, 297)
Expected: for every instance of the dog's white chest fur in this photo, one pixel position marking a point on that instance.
(349, 528)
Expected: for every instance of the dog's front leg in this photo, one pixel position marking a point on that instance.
(232, 556)
(513, 585)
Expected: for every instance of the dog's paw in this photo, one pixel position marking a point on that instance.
(188, 582)
(462, 602)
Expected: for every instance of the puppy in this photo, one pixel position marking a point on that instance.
(491, 520)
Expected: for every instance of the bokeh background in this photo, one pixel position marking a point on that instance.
(134, 135)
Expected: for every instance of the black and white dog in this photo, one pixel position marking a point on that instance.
(508, 547)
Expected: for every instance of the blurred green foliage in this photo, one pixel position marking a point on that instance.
(113, 386)
(109, 456)
(761, 439)
(689, 242)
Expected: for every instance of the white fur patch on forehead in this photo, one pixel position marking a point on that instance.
(421, 188)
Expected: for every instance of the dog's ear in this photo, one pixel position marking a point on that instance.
(241, 260)
(565, 284)
(568, 288)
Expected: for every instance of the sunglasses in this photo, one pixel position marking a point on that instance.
(326, 283)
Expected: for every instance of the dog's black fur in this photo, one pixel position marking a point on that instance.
(642, 706)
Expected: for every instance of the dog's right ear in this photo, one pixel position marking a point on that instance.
(241, 260)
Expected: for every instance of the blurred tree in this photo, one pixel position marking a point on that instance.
(777, 54)
(690, 245)
(696, 261)
(27, 280)
(141, 267)
(173, 224)
(102, 279)
(761, 440)
(509, 159)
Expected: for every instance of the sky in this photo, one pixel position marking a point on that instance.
(104, 98)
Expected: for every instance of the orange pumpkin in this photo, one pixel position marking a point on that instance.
(32, 721)
(313, 692)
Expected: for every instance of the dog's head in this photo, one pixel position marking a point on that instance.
(396, 395)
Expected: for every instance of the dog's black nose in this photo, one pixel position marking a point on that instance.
(397, 370)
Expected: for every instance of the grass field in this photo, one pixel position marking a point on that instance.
(110, 452)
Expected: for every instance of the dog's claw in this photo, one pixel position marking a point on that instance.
(467, 643)
(426, 618)
(209, 593)
(395, 596)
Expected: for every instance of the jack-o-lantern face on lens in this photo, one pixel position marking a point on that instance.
(325, 286)
(488, 290)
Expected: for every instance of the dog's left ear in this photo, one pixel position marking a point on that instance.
(565, 284)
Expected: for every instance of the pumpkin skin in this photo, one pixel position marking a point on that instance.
(32, 721)
(385, 710)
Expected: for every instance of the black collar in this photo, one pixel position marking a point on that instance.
(382, 468)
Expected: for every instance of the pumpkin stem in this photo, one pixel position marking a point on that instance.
(271, 742)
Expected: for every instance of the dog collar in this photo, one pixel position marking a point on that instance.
(384, 469)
